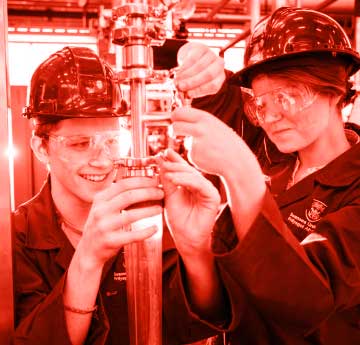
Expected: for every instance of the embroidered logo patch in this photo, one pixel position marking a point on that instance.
(317, 208)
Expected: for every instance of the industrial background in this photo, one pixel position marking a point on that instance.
(33, 29)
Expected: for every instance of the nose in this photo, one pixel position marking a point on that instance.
(271, 112)
(99, 158)
(271, 116)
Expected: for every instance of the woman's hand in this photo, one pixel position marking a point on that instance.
(191, 208)
(217, 149)
(191, 205)
(200, 72)
(107, 227)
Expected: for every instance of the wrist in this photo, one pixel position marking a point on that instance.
(195, 259)
(195, 250)
(244, 174)
(245, 199)
(85, 261)
(83, 271)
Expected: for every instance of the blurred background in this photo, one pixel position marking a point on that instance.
(37, 28)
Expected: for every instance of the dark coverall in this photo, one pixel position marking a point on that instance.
(299, 265)
(43, 254)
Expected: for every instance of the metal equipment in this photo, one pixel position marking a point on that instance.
(139, 25)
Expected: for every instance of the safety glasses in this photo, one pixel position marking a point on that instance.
(114, 144)
(280, 102)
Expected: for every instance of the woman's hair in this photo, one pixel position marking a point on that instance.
(322, 74)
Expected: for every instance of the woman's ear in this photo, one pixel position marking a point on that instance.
(40, 149)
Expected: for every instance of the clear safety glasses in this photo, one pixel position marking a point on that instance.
(280, 102)
(114, 144)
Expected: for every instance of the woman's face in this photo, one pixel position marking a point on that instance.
(79, 171)
(292, 119)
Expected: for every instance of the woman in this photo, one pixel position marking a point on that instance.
(296, 210)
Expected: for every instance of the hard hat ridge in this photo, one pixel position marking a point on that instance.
(292, 33)
(74, 82)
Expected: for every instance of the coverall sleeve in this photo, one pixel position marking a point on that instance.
(181, 324)
(298, 284)
(40, 316)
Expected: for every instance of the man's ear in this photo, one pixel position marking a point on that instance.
(40, 149)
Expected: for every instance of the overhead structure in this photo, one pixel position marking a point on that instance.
(216, 12)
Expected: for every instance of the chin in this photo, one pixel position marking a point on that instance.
(87, 198)
(88, 192)
(287, 147)
(289, 144)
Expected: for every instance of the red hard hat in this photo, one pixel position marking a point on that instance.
(74, 82)
(290, 33)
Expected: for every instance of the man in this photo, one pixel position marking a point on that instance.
(69, 238)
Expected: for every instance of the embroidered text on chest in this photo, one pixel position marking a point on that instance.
(312, 215)
(119, 276)
(301, 223)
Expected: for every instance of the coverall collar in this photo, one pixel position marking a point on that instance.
(48, 234)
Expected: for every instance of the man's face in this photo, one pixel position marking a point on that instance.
(80, 161)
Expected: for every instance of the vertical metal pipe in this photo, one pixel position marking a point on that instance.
(143, 259)
(6, 283)
(144, 289)
(138, 106)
